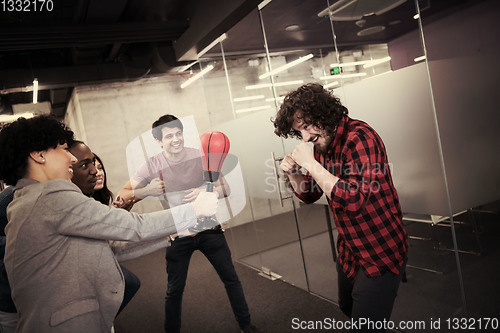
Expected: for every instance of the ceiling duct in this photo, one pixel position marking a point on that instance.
(351, 10)
(164, 60)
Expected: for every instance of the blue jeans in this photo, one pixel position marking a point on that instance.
(215, 248)
(132, 284)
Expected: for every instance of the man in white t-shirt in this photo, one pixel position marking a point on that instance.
(176, 176)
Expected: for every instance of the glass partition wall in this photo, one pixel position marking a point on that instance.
(263, 236)
(467, 119)
(402, 86)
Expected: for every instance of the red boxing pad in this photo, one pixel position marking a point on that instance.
(214, 147)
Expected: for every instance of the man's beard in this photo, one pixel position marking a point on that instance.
(323, 149)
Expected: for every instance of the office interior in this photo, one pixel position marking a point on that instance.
(423, 73)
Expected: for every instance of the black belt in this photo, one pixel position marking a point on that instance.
(214, 230)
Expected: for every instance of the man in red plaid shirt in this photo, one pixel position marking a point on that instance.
(348, 163)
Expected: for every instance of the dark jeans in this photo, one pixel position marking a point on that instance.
(369, 298)
(132, 284)
(215, 248)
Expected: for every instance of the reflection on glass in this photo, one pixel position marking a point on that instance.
(461, 54)
(373, 59)
(356, 64)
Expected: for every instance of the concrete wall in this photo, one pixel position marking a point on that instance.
(109, 116)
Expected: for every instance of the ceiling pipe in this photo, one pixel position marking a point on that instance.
(21, 80)
(36, 38)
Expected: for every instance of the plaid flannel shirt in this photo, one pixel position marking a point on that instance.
(364, 202)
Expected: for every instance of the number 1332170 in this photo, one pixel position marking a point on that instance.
(26, 5)
(488, 324)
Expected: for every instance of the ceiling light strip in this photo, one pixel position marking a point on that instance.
(362, 62)
(417, 59)
(35, 91)
(377, 62)
(342, 76)
(335, 8)
(272, 99)
(197, 76)
(347, 64)
(248, 98)
(215, 42)
(257, 108)
(263, 4)
(279, 84)
(8, 118)
(334, 83)
(284, 67)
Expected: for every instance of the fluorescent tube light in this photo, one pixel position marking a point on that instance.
(272, 99)
(336, 7)
(279, 84)
(8, 118)
(334, 83)
(248, 98)
(35, 91)
(348, 64)
(290, 64)
(197, 76)
(257, 108)
(263, 4)
(215, 42)
(340, 5)
(365, 63)
(342, 76)
(377, 62)
(417, 59)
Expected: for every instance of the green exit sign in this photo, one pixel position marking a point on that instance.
(335, 71)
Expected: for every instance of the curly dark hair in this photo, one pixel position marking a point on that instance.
(319, 107)
(104, 195)
(24, 136)
(167, 120)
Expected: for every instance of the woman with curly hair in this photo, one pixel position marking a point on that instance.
(348, 163)
(63, 274)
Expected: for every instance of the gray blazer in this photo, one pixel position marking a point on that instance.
(63, 274)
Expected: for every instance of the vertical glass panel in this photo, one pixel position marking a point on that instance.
(462, 48)
(241, 232)
(300, 50)
(241, 105)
